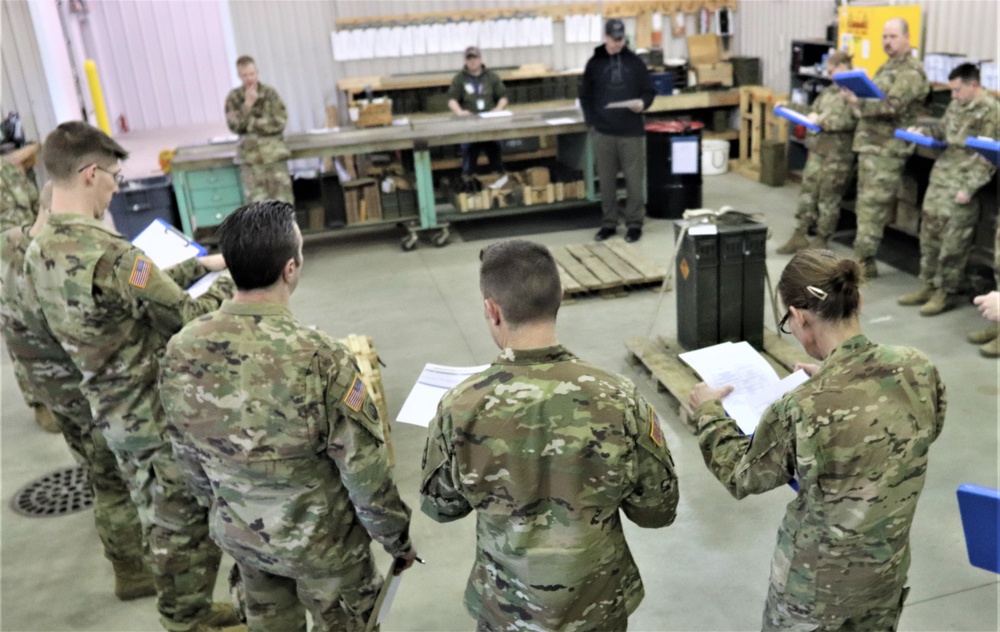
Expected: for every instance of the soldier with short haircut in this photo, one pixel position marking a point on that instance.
(882, 156)
(112, 310)
(950, 209)
(280, 436)
(257, 114)
(47, 375)
(829, 164)
(854, 437)
(546, 449)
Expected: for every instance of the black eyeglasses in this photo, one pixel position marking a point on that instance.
(783, 325)
(119, 178)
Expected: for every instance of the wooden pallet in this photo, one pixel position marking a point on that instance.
(758, 123)
(363, 349)
(659, 357)
(608, 268)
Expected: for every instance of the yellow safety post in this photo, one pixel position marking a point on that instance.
(100, 111)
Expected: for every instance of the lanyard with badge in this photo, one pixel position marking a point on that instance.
(475, 86)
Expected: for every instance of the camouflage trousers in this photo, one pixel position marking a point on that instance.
(266, 182)
(182, 557)
(115, 516)
(340, 603)
(946, 230)
(823, 182)
(878, 180)
(23, 380)
(779, 614)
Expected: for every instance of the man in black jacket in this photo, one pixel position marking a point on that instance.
(616, 88)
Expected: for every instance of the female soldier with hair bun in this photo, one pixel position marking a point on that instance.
(855, 436)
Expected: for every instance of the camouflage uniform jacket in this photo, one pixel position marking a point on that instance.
(18, 197)
(274, 427)
(904, 84)
(856, 437)
(836, 116)
(261, 127)
(52, 378)
(113, 310)
(546, 449)
(958, 167)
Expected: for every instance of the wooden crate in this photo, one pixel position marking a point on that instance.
(607, 268)
(757, 124)
(362, 200)
(363, 350)
(545, 194)
(375, 114)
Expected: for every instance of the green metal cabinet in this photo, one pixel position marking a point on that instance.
(206, 196)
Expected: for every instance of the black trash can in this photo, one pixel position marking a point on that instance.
(139, 202)
(673, 168)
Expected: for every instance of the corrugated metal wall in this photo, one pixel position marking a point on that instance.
(23, 86)
(764, 29)
(162, 63)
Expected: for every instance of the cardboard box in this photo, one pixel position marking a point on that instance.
(536, 176)
(720, 73)
(539, 195)
(466, 202)
(704, 49)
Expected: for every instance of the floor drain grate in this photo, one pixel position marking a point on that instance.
(60, 493)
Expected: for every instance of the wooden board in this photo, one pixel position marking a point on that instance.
(607, 267)
(363, 350)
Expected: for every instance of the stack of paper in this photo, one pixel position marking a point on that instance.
(756, 385)
(434, 381)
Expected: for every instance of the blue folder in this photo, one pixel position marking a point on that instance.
(858, 82)
(919, 139)
(980, 509)
(797, 118)
(989, 147)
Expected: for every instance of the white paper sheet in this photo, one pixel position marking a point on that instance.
(390, 594)
(201, 286)
(227, 138)
(596, 28)
(548, 35)
(623, 104)
(498, 114)
(756, 385)
(684, 156)
(420, 34)
(165, 245)
(560, 121)
(405, 34)
(434, 381)
(434, 34)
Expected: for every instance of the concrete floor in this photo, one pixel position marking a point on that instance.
(708, 571)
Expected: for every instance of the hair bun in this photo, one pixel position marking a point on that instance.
(846, 277)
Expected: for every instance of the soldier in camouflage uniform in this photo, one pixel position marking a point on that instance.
(257, 114)
(951, 209)
(882, 156)
(18, 197)
(547, 449)
(281, 438)
(47, 375)
(988, 339)
(855, 437)
(112, 310)
(829, 165)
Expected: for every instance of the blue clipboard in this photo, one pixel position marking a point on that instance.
(797, 118)
(988, 147)
(919, 139)
(165, 245)
(980, 510)
(858, 82)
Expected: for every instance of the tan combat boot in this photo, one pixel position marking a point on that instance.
(45, 420)
(919, 297)
(983, 336)
(868, 268)
(221, 616)
(819, 243)
(133, 580)
(991, 349)
(797, 242)
(939, 303)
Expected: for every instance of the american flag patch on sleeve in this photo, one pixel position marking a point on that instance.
(141, 270)
(355, 395)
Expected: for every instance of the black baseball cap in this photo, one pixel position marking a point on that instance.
(615, 29)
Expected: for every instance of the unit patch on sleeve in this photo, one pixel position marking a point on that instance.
(141, 270)
(655, 432)
(356, 394)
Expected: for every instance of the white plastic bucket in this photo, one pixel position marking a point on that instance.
(714, 157)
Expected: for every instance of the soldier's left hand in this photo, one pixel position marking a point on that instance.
(704, 393)
(213, 263)
(849, 96)
(402, 563)
(962, 197)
